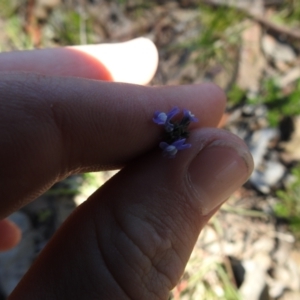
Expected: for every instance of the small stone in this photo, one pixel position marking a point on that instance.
(276, 289)
(282, 274)
(264, 260)
(289, 295)
(292, 147)
(210, 240)
(276, 50)
(254, 286)
(49, 3)
(259, 143)
(290, 77)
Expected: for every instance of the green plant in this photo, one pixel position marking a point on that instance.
(244, 212)
(215, 47)
(289, 12)
(219, 33)
(279, 104)
(16, 35)
(235, 95)
(91, 182)
(8, 7)
(289, 205)
(206, 279)
(207, 276)
(71, 27)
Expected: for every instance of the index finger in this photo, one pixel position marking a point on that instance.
(51, 127)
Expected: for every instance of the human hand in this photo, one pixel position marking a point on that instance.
(133, 237)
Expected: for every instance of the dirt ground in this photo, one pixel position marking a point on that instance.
(248, 250)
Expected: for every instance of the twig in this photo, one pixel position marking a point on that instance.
(278, 28)
(256, 17)
(31, 26)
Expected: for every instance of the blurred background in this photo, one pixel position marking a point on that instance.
(251, 48)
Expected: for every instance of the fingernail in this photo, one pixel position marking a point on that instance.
(217, 171)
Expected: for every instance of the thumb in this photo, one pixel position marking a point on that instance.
(133, 237)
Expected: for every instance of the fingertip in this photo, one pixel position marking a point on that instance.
(134, 61)
(222, 164)
(206, 101)
(211, 108)
(10, 235)
(216, 96)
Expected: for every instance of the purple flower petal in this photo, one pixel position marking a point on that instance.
(174, 111)
(180, 144)
(176, 130)
(160, 118)
(170, 150)
(163, 145)
(185, 146)
(189, 115)
(168, 125)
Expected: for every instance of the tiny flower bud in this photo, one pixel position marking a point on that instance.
(175, 131)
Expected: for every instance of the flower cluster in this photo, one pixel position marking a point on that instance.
(176, 132)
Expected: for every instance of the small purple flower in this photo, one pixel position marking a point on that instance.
(162, 118)
(170, 150)
(176, 132)
(191, 117)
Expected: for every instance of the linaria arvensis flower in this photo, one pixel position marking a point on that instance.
(176, 132)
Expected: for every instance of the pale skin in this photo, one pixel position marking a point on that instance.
(132, 238)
